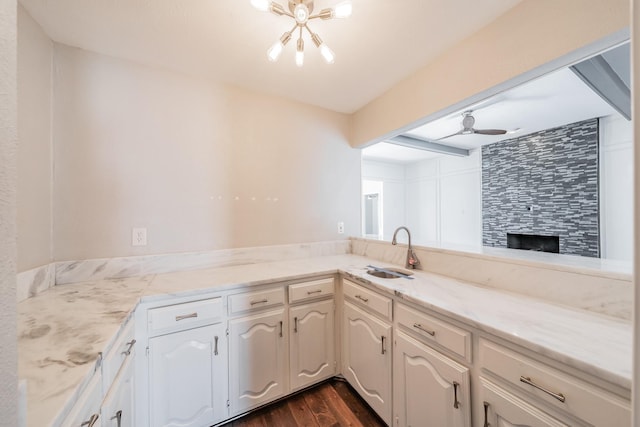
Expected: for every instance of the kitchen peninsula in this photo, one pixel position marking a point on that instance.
(65, 332)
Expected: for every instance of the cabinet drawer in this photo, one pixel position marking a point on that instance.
(434, 330)
(185, 315)
(364, 297)
(256, 300)
(563, 391)
(122, 349)
(309, 290)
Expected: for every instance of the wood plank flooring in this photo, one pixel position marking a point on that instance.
(333, 403)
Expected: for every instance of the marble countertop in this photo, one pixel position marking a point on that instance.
(62, 330)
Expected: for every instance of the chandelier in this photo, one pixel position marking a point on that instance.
(301, 12)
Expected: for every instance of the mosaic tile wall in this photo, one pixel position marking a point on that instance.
(545, 183)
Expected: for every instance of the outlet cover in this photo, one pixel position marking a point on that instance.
(138, 237)
(341, 227)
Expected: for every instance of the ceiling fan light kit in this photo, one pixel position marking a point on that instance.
(301, 12)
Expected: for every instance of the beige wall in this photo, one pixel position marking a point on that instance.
(529, 35)
(8, 141)
(34, 151)
(141, 147)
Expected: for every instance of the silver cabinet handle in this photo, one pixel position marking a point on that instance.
(423, 329)
(130, 345)
(215, 345)
(456, 404)
(118, 417)
(382, 341)
(262, 301)
(186, 316)
(281, 328)
(486, 414)
(317, 291)
(91, 421)
(295, 325)
(559, 396)
(363, 299)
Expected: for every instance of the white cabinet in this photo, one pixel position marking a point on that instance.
(257, 345)
(118, 406)
(312, 349)
(366, 352)
(502, 409)
(86, 411)
(552, 390)
(188, 377)
(430, 389)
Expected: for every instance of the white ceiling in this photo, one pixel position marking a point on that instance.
(383, 42)
(550, 101)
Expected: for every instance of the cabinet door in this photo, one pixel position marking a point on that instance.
(430, 389)
(257, 346)
(367, 358)
(312, 349)
(117, 408)
(188, 377)
(502, 409)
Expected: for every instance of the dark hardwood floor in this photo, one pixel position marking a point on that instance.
(333, 403)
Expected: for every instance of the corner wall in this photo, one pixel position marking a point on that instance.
(8, 147)
(34, 151)
(202, 166)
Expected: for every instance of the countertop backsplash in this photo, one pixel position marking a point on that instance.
(587, 284)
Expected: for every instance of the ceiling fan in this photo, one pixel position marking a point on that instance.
(467, 127)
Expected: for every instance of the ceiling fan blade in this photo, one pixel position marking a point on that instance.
(490, 131)
(449, 136)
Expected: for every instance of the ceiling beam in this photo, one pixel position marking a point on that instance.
(427, 145)
(602, 79)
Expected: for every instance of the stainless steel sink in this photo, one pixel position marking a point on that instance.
(387, 273)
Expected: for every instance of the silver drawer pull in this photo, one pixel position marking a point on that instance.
(423, 329)
(362, 298)
(91, 422)
(130, 345)
(215, 348)
(186, 316)
(486, 414)
(456, 404)
(118, 418)
(317, 291)
(559, 396)
(262, 301)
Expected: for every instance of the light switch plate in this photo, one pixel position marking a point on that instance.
(341, 227)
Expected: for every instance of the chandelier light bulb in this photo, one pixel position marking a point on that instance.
(327, 53)
(300, 53)
(274, 51)
(262, 5)
(343, 10)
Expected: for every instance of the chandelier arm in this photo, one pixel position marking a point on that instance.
(324, 14)
(308, 30)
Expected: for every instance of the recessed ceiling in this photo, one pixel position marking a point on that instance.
(550, 101)
(383, 42)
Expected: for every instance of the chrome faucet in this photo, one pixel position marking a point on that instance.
(412, 259)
